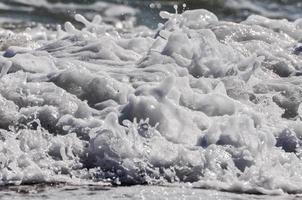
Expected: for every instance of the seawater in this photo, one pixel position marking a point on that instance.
(23, 13)
(198, 101)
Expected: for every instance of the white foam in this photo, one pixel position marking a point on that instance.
(199, 100)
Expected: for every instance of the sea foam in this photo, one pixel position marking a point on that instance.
(213, 103)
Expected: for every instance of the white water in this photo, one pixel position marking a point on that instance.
(213, 103)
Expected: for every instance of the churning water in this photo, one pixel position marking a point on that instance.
(199, 101)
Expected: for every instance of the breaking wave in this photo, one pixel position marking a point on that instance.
(213, 103)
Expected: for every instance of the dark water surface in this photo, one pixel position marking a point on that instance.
(22, 13)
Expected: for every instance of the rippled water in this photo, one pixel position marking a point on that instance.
(123, 193)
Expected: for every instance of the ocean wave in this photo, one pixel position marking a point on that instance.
(213, 103)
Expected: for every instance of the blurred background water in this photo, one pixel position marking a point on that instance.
(23, 13)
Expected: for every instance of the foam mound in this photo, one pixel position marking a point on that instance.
(213, 103)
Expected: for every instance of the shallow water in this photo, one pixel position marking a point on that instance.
(133, 192)
(104, 101)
